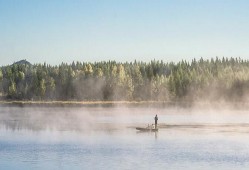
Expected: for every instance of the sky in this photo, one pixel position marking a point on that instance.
(55, 31)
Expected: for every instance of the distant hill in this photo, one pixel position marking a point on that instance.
(24, 62)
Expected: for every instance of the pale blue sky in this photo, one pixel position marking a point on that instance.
(56, 31)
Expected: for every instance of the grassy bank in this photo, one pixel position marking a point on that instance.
(84, 103)
(166, 104)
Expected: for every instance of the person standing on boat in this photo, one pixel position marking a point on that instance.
(156, 118)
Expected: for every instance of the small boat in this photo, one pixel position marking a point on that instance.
(148, 129)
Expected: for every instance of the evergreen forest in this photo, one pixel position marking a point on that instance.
(213, 79)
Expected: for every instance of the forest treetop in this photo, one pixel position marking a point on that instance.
(214, 79)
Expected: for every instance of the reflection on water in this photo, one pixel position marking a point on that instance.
(106, 138)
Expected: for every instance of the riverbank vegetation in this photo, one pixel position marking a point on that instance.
(219, 79)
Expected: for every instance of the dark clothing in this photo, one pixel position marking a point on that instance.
(156, 118)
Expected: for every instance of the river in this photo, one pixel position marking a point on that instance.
(106, 138)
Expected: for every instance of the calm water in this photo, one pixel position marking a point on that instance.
(105, 138)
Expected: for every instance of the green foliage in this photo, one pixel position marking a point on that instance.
(226, 79)
(1, 75)
(12, 90)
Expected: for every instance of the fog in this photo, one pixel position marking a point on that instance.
(108, 119)
(105, 137)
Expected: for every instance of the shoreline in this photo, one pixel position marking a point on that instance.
(82, 103)
(166, 104)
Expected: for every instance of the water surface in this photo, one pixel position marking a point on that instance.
(106, 138)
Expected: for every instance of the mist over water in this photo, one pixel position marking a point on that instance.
(106, 138)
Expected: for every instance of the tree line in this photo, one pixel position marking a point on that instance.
(212, 79)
